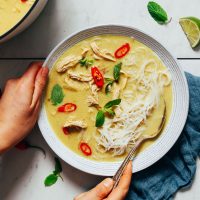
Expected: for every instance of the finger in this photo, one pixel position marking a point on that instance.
(126, 177)
(27, 81)
(119, 193)
(31, 72)
(100, 192)
(40, 82)
(37, 109)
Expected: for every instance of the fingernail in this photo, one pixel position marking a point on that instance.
(108, 182)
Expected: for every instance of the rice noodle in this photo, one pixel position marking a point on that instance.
(122, 131)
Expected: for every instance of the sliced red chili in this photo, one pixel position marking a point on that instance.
(97, 76)
(24, 1)
(122, 51)
(68, 107)
(86, 149)
(65, 130)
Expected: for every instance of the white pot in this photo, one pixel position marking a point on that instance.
(30, 16)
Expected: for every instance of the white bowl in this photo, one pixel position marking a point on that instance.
(170, 134)
(29, 17)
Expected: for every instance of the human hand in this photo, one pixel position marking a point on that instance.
(19, 105)
(103, 191)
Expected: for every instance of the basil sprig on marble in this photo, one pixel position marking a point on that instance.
(52, 178)
(116, 76)
(157, 12)
(108, 108)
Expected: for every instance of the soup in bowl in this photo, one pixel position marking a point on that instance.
(108, 86)
(99, 71)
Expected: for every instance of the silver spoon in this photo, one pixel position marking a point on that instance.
(130, 155)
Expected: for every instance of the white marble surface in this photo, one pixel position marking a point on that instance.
(63, 17)
(22, 173)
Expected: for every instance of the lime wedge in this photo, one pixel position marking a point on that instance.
(191, 28)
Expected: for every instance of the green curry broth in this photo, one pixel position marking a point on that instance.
(11, 12)
(83, 112)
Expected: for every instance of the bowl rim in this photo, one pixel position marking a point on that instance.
(103, 171)
(20, 21)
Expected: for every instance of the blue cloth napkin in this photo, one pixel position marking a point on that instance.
(177, 168)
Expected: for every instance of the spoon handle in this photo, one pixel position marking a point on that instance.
(128, 158)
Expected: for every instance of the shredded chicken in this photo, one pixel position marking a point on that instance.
(79, 76)
(75, 85)
(123, 81)
(103, 53)
(116, 91)
(96, 57)
(93, 87)
(68, 62)
(85, 50)
(118, 87)
(75, 124)
(93, 99)
(125, 73)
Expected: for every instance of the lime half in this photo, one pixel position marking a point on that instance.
(191, 28)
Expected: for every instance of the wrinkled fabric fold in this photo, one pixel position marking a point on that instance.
(177, 168)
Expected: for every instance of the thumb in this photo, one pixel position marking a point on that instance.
(101, 191)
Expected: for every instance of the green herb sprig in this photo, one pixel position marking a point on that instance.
(116, 76)
(52, 178)
(84, 62)
(108, 108)
(57, 95)
(157, 12)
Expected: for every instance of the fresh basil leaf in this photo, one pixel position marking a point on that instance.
(57, 95)
(157, 12)
(113, 103)
(58, 167)
(116, 72)
(116, 75)
(50, 180)
(108, 87)
(100, 118)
